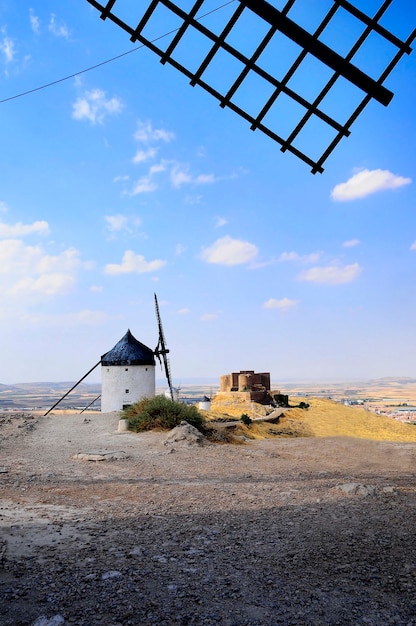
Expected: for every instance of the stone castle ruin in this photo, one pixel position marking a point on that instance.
(246, 385)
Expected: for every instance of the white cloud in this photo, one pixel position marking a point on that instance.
(156, 168)
(289, 256)
(179, 176)
(351, 243)
(413, 246)
(220, 221)
(115, 223)
(3, 207)
(228, 251)
(183, 311)
(145, 184)
(46, 284)
(8, 49)
(20, 230)
(133, 263)
(301, 258)
(284, 304)
(367, 182)
(120, 179)
(122, 223)
(204, 179)
(95, 107)
(145, 133)
(67, 261)
(209, 317)
(179, 249)
(26, 271)
(193, 199)
(332, 274)
(144, 155)
(179, 173)
(34, 22)
(59, 30)
(96, 288)
(17, 258)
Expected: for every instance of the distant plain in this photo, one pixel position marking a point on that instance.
(375, 393)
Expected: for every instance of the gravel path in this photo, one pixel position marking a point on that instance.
(285, 531)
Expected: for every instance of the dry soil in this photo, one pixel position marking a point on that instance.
(303, 531)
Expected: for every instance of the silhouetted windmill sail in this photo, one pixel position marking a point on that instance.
(162, 351)
(317, 123)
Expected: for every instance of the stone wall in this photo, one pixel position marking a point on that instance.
(245, 380)
(247, 384)
(125, 385)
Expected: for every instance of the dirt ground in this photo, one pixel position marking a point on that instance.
(303, 531)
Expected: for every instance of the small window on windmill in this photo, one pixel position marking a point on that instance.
(127, 391)
(127, 369)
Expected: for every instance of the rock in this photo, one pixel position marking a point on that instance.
(389, 489)
(111, 574)
(357, 489)
(366, 490)
(185, 434)
(56, 620)
(123, 426)
(100, 456)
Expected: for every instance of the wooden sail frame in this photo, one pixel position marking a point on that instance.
(332, 127)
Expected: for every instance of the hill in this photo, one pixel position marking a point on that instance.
(324, 418)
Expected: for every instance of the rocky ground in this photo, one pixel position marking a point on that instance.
(306, 531)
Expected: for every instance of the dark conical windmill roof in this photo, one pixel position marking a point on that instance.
(129, 351)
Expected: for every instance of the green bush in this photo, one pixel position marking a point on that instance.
(162, 413)
(246, 419)
(281, 399)
(303, 405)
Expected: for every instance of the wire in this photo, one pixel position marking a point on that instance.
(94, 67)
(61, 80)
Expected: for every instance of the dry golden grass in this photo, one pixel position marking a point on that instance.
(225, 406)
(324, 418)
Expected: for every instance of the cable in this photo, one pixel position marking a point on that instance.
(61, 80)
(94, 67)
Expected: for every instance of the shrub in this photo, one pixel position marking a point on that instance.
(160, 412)
(219, 435)
(281, 399)
(246, 419)
(303, 405)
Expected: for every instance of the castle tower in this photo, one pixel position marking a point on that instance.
(127, 374)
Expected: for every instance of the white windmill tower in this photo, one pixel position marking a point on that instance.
(127, 374)
(128, 370)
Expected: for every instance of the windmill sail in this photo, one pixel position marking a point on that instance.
(161, 351)
(286, 57)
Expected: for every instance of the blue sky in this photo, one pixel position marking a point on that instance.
(124, 181)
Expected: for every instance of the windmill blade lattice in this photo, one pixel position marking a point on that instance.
(162, 351)
(256, 58)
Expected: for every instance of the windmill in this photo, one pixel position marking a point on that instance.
(161, 351)
(128, 371)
